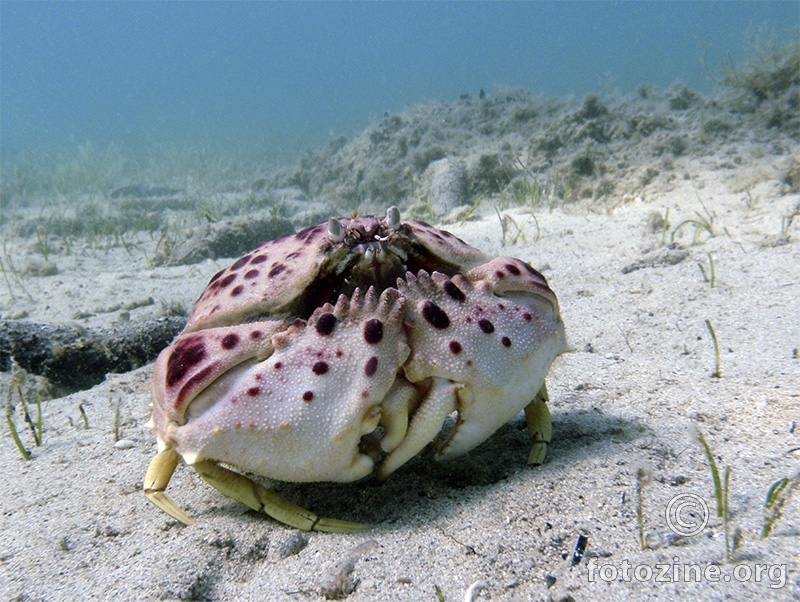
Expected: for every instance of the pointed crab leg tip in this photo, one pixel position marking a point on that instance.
(160, 471)
(538, 453)
(331, 525)
(160, 500)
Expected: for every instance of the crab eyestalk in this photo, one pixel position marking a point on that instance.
(392, 218)
(335, 230)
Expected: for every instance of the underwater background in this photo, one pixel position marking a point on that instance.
(644, 157)
(265, 80)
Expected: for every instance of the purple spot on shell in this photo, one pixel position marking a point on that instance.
(435, 315)
(184, 356)
(239, 263)
(215, 276)
(373, 331)
(326, 324)
(253, 391)
(371, 366)
(303, 234)
(250, 274)
(455, 347)
(227, 280)
(530, 270)
(320, 368)
(506, 341)
(192, 383)
(276, 269)
(258, 259)
(486, 326)
(230, 341)
(237, 290)
(453, 291)
(527, 317)
(308, 396)
(500, 275)
(255, 334)
(513, 269)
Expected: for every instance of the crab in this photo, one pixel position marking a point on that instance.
(318, 356)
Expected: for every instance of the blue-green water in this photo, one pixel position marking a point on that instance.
(277, 77)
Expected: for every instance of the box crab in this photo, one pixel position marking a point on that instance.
(317, 355)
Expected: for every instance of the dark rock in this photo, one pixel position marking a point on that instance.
(78, 358)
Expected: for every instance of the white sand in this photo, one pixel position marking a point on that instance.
(74, 524)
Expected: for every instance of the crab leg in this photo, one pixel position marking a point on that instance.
(156, 480)
(259, 498)
(540, 428)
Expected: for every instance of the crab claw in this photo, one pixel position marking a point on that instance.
(425, 425)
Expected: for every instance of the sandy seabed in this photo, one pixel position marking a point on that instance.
(74, 524)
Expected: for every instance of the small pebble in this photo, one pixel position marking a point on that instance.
(292, 545)
(124, 444)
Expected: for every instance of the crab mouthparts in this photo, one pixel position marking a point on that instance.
(374, 259)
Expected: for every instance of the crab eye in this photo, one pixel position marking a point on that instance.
(392, 218)
(335, 230)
